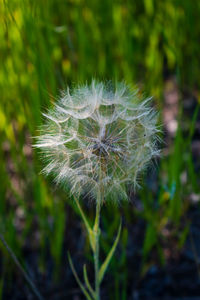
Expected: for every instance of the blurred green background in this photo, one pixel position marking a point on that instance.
(47, 45)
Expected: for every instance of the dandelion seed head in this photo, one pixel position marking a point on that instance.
(99, 136)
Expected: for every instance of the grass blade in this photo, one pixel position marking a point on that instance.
(26, 276)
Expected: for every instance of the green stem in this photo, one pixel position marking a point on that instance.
(96, 230)
(96, 250)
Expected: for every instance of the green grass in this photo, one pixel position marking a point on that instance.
(47, 45)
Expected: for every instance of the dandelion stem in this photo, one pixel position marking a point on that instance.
(96, 231)
(96, 250)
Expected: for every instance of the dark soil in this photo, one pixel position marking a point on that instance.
(179, 278)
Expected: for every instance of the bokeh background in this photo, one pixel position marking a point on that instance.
(47, 45)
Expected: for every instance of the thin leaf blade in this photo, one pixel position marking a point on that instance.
(77, 278)
(87, 282)
(105, 264)
(87, 225)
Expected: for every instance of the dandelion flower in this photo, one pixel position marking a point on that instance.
(99, 137)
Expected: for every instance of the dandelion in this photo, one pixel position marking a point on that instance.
(97, 140)
(99, 137)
